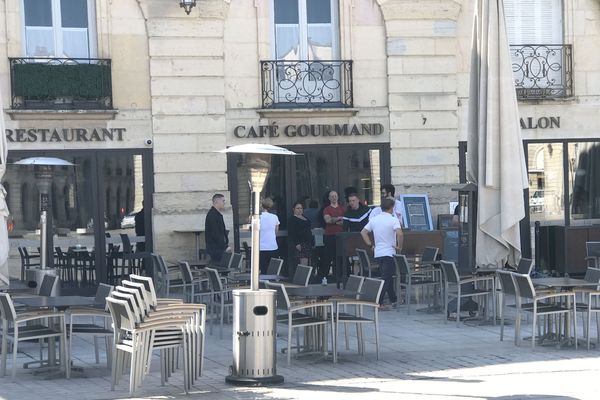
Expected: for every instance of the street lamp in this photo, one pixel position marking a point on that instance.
(254, 338)
(44, 171)
(187, 5)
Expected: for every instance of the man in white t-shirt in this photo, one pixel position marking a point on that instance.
(387, 234)
(269, 225)
(388, 191)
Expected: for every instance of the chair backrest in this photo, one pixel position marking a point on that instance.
(102, 292)
(141, 289)
(402, 268)
(507, 285)
(226, 260)
(283, 301)
(121, 313)
(21, 253)
(186, 272)
(592, 249)
(354, 283)
(592, 275)
(525, 265)
(429, 254)
(148, 284)
(213, 278)
(371, 290)
(161, 274)
(48, 282)
(524, 285)
(7, 308)
(274, 267)
(131, 301)
(363, 258)
(141, 306)
(302, 275)
(126, 243)
(450, 271)
(236, 261)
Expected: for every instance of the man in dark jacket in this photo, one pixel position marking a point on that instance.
(357, 214)
(215, 233)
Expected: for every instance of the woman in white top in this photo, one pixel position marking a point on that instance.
(269, 225)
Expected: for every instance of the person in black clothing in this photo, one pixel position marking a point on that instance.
(357, 214)
(299, 234)
(215, 233)
(140, 228)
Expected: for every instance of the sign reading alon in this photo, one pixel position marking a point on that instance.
(58, 135)
(540, 123)
(315, 130)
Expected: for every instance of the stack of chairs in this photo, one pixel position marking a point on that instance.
(143, 323)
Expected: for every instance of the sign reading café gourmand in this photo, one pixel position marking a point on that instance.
(57, 135)
(274, 130)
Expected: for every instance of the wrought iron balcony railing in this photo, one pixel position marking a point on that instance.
(306, 84)
(61, 83)
(542, 71)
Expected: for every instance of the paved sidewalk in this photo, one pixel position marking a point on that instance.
(421, 358)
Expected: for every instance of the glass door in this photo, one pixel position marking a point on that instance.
(90, 204)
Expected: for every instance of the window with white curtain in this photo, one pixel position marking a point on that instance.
(534, 21)
(59, 28)
(306, 29)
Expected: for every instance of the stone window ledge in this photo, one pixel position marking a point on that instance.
(60, 114)
(304, 112)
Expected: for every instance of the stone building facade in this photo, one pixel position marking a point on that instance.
(182, 85)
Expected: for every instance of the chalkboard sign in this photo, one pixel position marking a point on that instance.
(417, 212)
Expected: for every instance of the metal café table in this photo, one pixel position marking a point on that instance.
(564, 283)
(60, 303)
(316, 340)
(17, 287)
(246, 277)
(317, 291)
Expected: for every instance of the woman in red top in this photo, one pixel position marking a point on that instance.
(333, 215)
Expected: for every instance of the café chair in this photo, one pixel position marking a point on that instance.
(274, 267)
(27, 260)
(236, 262)
(543, 303)
(301, 276)
(592, 254)
(302, 315)
(525, 266)
(407, 278)
(194, 284)
(14, 330)
(221, 296)
(454, 288)
(365, 263)
(92, 328)
(508, 289)
(151, 307)
(353, 287)
(167, 276)
(368, 298)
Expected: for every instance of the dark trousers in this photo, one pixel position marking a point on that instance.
(328, 256)
(388, 269)
(265, 257)
(215, 256)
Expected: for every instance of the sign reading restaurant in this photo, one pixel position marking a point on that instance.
(65, 135)
(274, 130)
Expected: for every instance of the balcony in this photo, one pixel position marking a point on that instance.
(542, 71)
(306, 84)
(60, 84)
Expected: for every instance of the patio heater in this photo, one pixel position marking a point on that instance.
(44, 172)
(254, 312)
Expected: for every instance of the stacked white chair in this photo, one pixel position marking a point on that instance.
(142, 324)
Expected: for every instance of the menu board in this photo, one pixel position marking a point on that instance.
(417, 212)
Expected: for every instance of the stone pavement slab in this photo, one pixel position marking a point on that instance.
(421, 357)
